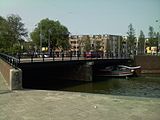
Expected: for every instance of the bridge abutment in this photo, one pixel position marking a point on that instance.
(12, 76)
(15, 79)
(83, 72)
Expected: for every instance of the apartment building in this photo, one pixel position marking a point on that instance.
(114, 45)
(110, 45)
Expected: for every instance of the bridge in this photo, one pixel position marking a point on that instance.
(27, 71)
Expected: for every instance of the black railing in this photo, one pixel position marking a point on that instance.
(13, 61)
(61, 56)
(64, 56)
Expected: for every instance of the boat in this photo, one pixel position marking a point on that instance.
(119, 71)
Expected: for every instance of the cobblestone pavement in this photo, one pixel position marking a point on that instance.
(59, 105)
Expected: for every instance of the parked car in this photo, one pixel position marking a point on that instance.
(92, 54)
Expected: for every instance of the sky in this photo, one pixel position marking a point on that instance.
(88, 16)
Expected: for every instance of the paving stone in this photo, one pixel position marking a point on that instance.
(59, 105)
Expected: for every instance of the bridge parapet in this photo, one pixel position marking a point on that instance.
(11, 73)
(10, 60)
(24, 58)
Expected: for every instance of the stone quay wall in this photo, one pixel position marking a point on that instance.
(149, 64)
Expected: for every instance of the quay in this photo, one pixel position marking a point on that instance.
(29, 104)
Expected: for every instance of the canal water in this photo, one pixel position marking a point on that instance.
(143, 86)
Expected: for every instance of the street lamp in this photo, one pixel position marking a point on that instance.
(49, 43)
(76, 47)
(40, 36)
(158, 42)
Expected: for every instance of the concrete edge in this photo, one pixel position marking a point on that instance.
(15, 79)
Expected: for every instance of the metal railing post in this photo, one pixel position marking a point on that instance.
(19, 58)
(71, 55)
(96, 55)
(78, 55)
(53, 55)
(62, 54)
(102, 55)
(31, 57)
(9, 59)
(43, 56)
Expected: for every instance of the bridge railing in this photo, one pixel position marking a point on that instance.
(63, 56)
(13, 61)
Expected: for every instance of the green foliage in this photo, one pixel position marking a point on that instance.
(12, 33)
(4, 42)
(87, 44)
(153, 39)
(97, 45)
(131, 39)
(16, 27)
(141, 43)
(53, 32)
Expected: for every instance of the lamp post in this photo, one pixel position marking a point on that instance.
(158, 42)
(49, 43)
(76, 47)
(40, 38)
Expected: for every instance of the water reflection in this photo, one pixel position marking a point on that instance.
(144, 86)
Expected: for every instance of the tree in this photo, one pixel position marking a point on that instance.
(131, 39)
(12, 33)
(97, 46)
(86, 43)
(3, 32)
(153, 39)
(16, 30)
(141, 43)
(52, 33)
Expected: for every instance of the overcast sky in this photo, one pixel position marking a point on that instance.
(87, 16)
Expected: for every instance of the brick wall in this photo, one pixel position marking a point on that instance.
(148, 62)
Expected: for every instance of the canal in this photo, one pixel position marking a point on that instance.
(143, 86)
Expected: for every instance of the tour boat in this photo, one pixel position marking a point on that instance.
(119, 70)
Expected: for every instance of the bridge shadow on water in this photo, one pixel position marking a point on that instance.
(144, 86)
